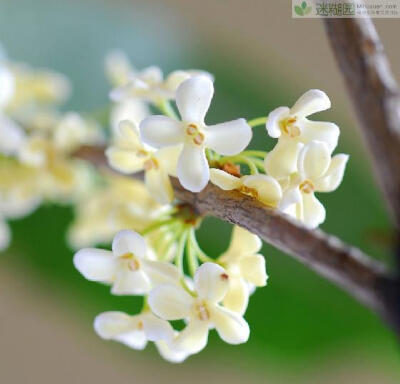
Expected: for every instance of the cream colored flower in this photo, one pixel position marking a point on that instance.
(262, 187)
(149, 84)
(202, 311)
(245, 267)
(193, 99)
(119, 203)
(292, 128)
(127, 267)
(317, 172)
(129, 155)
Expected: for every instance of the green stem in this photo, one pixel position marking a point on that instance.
(252, 153)
(200, 254)
(157, 225)
(166, 108)
(243, 160)
(256, 122)
(192, 259)
(180, 252)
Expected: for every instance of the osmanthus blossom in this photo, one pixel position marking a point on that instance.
(127, 267)
(317, 172)
(193, 98)
(149, 85)
(292, 128)
(137, 330)
(201, 310)
(262, 187)
(128, 155)
(245, 268)
(120, 202)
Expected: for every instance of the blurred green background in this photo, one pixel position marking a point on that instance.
(303, 329)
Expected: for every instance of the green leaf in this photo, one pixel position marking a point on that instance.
(304, 5)
(308, 10)
(298, 10)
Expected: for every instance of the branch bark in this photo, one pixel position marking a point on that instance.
(375, 96)
(362, 277)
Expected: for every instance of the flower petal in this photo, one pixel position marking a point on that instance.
(211, 282)
(161, 272)
(159, 185)
(161, 131)
(334, 175)
(290, 196)
(168, 158)
(125, 161)
(231, 327)
(224, 180)
(7, 85)
(192, 170)
(237, 297)
(170, 302)
(129, 282)
(156, 329)
(193, 338)
(128, 241)
(313, 211)
(268, 189)
(120, 327)
(193, 98)
(243, 243)
(282, 160)
(314, 160)
(311, 102)
(228, 138)
(151, 75)
(252, 269)
(12, 136)
(128, 136)
(96, 264)
(320, 131)
(170, 354)
(273, 121)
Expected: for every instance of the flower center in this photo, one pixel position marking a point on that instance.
(249, 191)
(307, 186)
(194, 134)
(289, 128)
(202, 311)
(151, 163)
(131, 261)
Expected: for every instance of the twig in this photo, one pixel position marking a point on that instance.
(346, 266)
(376, 98)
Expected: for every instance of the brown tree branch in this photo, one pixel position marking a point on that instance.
(346, 266)
(376, 98)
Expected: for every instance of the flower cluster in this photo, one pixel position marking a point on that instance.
(155, 253)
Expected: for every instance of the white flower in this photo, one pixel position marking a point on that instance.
(7, 85)
(262, 187)
(136, 331)
(292, 127)
(245, 267)
(129, 155)
(202, 311)
(193, 99)
(118, 67)
(126, 267)
(149, 84)
(317, 172)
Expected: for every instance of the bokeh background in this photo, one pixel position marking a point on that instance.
(304, 330)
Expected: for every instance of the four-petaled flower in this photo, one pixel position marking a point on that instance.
(193, 98)
(137, 330)
(127, 267)
(129, 155)
(201, 310)
(293, 128)
(317, 172)
(262, 187)
(245, 267)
